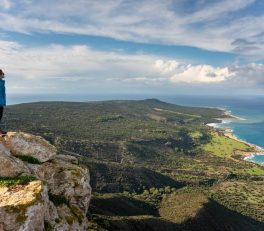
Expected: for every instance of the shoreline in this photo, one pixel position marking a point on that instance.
(228, 132)
(231, 116)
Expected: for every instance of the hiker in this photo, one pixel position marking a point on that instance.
(2, 97)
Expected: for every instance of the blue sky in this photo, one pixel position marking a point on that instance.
(132, 46)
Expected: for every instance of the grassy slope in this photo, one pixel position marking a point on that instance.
(224, 146)
(143, 152)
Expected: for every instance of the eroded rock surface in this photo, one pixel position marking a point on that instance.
(21, 143)
(9, 165)
(56, 199)
(70, 183)
(23, 207)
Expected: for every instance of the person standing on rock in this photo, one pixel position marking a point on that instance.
(2, 97)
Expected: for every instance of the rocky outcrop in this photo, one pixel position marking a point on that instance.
(52, 193)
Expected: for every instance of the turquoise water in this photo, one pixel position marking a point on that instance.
(257, 158)
(251, 109)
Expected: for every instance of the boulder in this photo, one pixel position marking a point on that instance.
(21, 143)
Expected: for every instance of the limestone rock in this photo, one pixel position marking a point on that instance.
(26, 144)
(57, 201)
(9, 165)
(67, 158)
(70, 221)
(22, 208)
(70, 182)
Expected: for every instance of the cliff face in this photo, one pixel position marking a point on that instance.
(39, 189)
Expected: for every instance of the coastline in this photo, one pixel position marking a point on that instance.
(228, 132)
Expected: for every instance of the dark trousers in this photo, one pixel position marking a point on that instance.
(1, 112)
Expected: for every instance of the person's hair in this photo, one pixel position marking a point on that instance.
(1, 72)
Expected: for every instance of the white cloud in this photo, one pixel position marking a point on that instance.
(61, 65)
(5, 4)
(79, 67)
(250, 75)
(212, 26)
(219, 9)
(187, 73)
(202, 74)
(8, 46)
(166, 66)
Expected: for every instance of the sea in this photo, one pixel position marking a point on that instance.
(250, 108)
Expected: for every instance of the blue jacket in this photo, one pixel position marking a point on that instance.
(2, 93)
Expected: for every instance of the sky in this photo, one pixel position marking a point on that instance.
(132, 46)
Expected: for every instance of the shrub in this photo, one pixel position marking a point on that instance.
(29, 159)
(18, 180)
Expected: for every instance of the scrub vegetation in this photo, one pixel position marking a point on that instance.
(29, 159)
(153, 165)
(18, 180)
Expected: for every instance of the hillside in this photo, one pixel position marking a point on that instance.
(148, 157)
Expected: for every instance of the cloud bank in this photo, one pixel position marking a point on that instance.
(211, 25)
(80, 67)
(235, 27)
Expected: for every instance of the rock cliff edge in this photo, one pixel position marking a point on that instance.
(41, 190)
